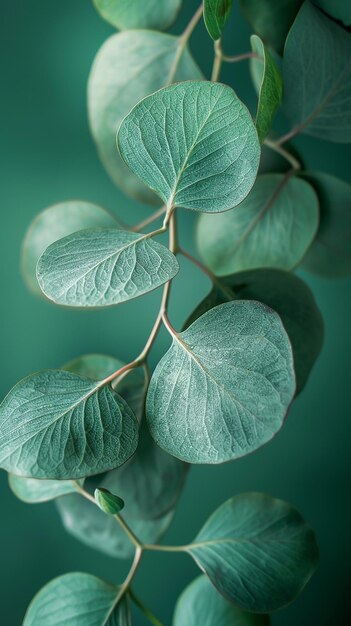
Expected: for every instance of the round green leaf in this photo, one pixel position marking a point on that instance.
(54, 223)
(108, 502)
(201, 604)
(216, 14)
(257, 551)
(317, 76)
(32, 490)
(103, 267)
(270, 91)
(271, 20)
(128, 67)
(223, 388)
(273, 227)
(78, 599)
(193, 143)
(286, 294)
(57, 425)
(129, 14)
(330, 253)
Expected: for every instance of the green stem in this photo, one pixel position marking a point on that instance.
(154, 547)
(152, 218)
(217, 63)
(273, 145)
(239, 57)
(150, 616)
(183, 40)
(213, 278)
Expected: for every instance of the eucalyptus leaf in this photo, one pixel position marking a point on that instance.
(32, 490)
(86, 522)
(223, 388)
(271, 88)
(128, 67)
(57, 425)
(194, 143)
(271, 20)
(129, 14)
(257, 551)
(273, 227)
(330, 253)
(54, 223)
(339, 9)
(317, 76)
(216, 14)
(78, 599)
(201, 604)
(103, 267)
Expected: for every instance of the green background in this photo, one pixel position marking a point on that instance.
(47, 156)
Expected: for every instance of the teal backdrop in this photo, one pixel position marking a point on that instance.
(47, 155)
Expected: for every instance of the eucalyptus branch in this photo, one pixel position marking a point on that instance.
(152, 218)
(150, 616)
(213, 278)
(239, 57)
(183, 40)
(218, 58)
(275, 145)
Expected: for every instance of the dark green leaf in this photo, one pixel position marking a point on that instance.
(57, 425)
(78, 600)
(108, 502)
(271, 87)
(273, 227)
(32, 490)
(201, 604)
(286, 294)
(223, 388)
(271, 19)
(339, 9)
(54, 223)
(257, 551)
(330, 253)
(317, 76)
(193, 143)
(128, 67)
(103, 267)
(129, 14)
(216, 13)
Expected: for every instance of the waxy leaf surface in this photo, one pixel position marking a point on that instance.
(57, 425)
(271, 20)
(193, 143)
(108, 502)
(78, 600)
(34, 490)
(54, 223)
(257, 551)
(128, 67)
(201, 604)
(103, 267)
(216, 13)
(271, 87)
(130, 14)
(273, 227)
(223, 388)
(317, 76)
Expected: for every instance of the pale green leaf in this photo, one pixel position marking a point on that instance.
(32, 490)
(330, 253)
(223, 388)
(270, 92)
(273, 227)
(54, 223)
(103, 267)
(128, 67)
(339, 9)
(130, 14)
(271, 19)
(108, 502)
(57, 425)
(201, 604)
(257, 551)
(216, 14)
(193, 143)
(78, 600)
(317, 76)
(286, 294)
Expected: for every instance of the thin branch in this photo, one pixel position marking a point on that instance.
(217, 63)
(150, 616)
(213, 278)
(239, 57)
(273, 145)
(183, 40)
(152, 218)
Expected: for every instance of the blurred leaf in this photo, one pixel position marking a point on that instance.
(223, 388)
(216, 14)
(78, 599)
(201, 604)
(54, 223)
(57, 425)
(330, 253)
(129, 14)
(257, 551)
(193, 143)
(270, 92)
(32, 490)
(286, 294)
(103, 267)
(273, 227)
(339, 9)
(271, 20)
(128, 67)
(108, 502)
(317, 76)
